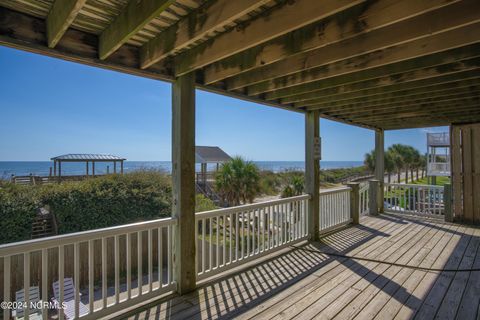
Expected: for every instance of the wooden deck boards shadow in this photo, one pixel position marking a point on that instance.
(306, 283)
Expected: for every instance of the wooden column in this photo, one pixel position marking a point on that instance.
(447, 202)
(354, 201)
(312, 171)
(54, 168)
(114, 166)
(373, 197)
(121, 167)
(86, 169)
(380, 166)
(93, 168)
(183, 176)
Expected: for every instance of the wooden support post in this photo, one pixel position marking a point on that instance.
(447, 202)
(86, 169)
(183, 176)
(380, 166)
(54, 168)
(312, 171)
(50, 173)
(373, 196)
(114, 166)
(354, 201)
(93, 168)
(121, 167)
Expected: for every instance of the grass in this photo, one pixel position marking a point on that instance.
(441, 181)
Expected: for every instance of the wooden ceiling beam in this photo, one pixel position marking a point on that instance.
(386, 103)
(354, 21)
(195, 26)
(426, 120)
(406, 106)
(384, 86)
(274, 23)
(61, 15)
(427, 34)
(433, 89)
(134, 17)
(425, 123)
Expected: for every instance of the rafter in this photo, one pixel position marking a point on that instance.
(134, 17)
(60, 17)
(278, 22)
(386, 103)
(354, 21)
(402, 95)
(432, 32)
(195, 26)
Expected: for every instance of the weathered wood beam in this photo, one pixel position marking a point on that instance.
(402, 95)
(426, 73)
(426, 121)
(373, 89)
(386, 103)
(195, 26)
(421, 47)
(278, 21)
(433, 107)
(354, 21)
(312, 171)
(133, 18)
(380, 168)
(183, 178)
(432, 32)
(60, 17)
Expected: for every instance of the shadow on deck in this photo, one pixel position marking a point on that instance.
(309, 282)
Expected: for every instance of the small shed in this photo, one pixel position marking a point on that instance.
(209, 155)
(87, 158)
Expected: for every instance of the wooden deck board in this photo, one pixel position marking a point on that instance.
(305, 283)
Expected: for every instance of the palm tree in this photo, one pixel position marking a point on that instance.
(389, 165)
(369, 161)
(238, 181)
(396, 155)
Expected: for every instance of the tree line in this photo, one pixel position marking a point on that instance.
(400, 158)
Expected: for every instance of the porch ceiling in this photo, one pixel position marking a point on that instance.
(384, 64)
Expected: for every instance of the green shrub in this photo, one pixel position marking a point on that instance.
(109, 200)
(203, 203)
(18, 207)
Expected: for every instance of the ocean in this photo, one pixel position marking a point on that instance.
(42, 168)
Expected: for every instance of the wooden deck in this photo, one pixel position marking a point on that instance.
(305, 284)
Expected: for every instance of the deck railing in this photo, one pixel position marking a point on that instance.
(41, 262)
(334, 208)
(363, 198)
(423, 200)
(229, 237)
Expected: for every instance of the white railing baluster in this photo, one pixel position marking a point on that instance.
(104, 273)
(160, 257)
(26, 283)
(76, 277)
(116, 252)
(61, 280)
(150, 263)
(230, 224)
(44, 280)
(90, 276)
(139, 263)
(169, 259)
(128, 253)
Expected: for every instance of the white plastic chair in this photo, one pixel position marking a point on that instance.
(68, 299)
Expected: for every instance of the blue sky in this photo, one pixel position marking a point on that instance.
(50, 107)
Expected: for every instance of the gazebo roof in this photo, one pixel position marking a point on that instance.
(204, 154)
(80, 157)
(384, 64)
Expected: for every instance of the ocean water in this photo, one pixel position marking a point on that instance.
(42, 168)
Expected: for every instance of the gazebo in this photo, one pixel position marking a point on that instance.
(206, 155)
(87, 158)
